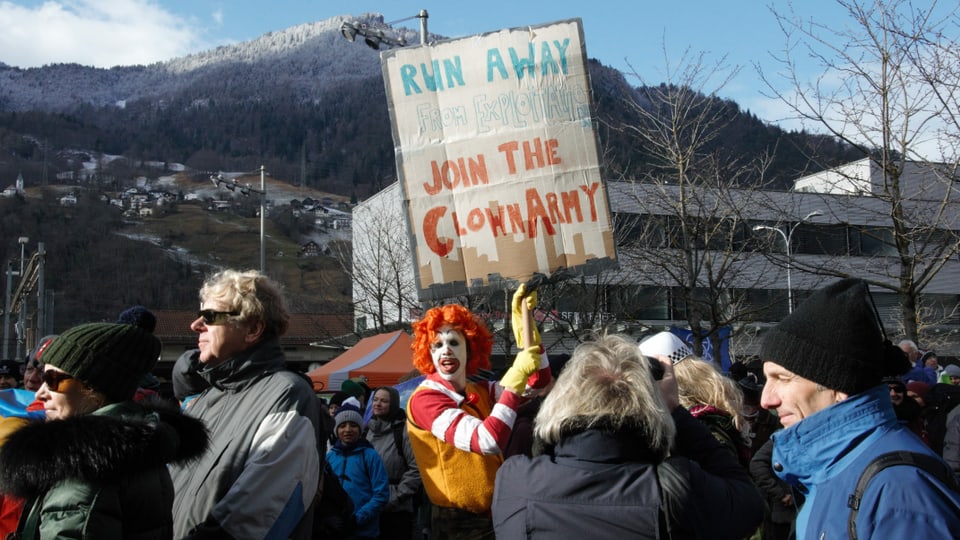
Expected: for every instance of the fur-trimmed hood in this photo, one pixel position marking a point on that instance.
(102, 447)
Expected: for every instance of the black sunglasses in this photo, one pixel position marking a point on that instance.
(53, 379)
(211, 317)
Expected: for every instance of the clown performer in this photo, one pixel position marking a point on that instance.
(458, 429)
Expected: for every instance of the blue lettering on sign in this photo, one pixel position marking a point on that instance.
(550, 61)
(440, 74)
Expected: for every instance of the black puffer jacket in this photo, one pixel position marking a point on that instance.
(597, 484)
(102, 475)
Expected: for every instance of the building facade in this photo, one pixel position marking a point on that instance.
(740, 258)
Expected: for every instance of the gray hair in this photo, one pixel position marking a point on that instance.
(606, 385)
(910, 344)
(254, 295)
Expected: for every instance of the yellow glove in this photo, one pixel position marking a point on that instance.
(517, 320)
(524, 365)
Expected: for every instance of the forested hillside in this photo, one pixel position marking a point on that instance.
(307, 104)
(304, 103)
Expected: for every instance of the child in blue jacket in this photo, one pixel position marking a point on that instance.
(360, 470)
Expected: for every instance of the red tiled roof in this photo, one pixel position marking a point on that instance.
(174, 326)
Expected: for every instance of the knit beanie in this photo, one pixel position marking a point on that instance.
(110, 358)
(665, 344)
(834, 338)
(40, 347)
(138, 316)
(353, 388)
(919, 388)
(349, 411)
(338, 398)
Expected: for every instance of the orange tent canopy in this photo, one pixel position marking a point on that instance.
(383, 359)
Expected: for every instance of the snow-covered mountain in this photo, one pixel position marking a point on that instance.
(308, 59)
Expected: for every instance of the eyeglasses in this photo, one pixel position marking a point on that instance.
(53, 379)
(211, 317)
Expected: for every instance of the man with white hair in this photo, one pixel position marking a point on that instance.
(260, 474)
(918, 371)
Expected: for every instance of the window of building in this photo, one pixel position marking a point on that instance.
(820, 239)
(634, 302)
(872, 241)
(769, 304)
(941, 309)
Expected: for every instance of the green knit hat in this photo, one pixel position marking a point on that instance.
(110, 358)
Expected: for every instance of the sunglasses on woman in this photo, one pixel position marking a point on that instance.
(53, 379)
(211, 317)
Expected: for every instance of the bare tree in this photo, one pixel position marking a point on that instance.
(888, 87)
(379, 262)
(691, 237)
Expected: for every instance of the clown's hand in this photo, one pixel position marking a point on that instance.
(524, 365)
(522, 319)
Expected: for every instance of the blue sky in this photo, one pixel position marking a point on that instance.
(106, 33)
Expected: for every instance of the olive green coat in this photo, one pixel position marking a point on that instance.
(99, 476)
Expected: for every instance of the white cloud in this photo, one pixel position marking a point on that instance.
(218, 17)
(101, 33)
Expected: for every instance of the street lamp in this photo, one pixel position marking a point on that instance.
(787, 239)
(219, 181)
(7, 305)
(23, 240)
(374, 37)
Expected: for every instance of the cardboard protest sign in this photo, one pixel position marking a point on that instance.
(497, 158)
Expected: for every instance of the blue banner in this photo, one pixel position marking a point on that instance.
(14, 401)
(687, 336)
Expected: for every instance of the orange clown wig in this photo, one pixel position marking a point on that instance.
(479, 339)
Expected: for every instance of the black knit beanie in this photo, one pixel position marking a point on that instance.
(139, 316)
(110, 358)
(835, 339)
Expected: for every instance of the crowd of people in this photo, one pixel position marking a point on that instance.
(834, 433)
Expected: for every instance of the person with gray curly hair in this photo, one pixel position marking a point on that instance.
(610, 429)
(261, 474)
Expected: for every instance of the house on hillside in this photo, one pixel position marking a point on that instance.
(328, 218)
(310, 249)
(16, 188)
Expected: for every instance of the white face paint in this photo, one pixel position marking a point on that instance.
(449, 353)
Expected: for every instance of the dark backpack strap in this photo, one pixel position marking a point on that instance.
(398, 441)
(926, 462)
(673, 478)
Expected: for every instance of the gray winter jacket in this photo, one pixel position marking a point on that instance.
(261, 472)
(403, 472)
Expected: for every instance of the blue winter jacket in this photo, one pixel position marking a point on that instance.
(361, 472)
(824, 454)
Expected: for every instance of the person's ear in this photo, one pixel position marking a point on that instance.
(255, 331)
